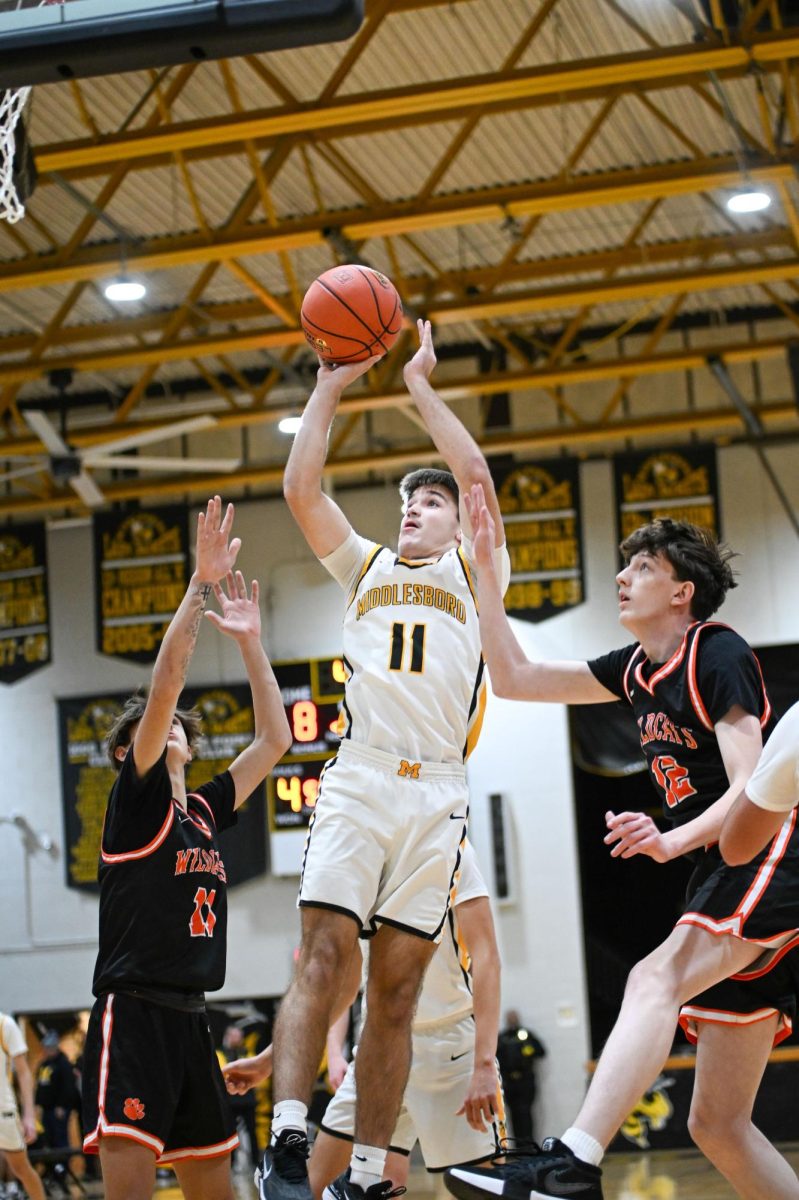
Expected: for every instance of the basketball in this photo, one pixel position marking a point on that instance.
(351, 313)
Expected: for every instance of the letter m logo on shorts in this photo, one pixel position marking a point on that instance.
(409, 770)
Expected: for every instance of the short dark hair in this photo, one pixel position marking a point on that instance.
(428, 477)
(696, 556)
(132, 712)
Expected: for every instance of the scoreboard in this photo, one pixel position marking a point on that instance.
(312, 691)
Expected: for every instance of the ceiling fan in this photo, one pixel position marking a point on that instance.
(67, 465)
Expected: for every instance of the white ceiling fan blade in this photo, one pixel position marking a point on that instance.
(146, 462)
(20, 471)
(87, 489)
(46, 431)
(148, 437)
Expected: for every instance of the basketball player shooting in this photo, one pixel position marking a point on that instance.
(384, 842)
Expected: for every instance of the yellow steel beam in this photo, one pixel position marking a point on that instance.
(485, 205)
(638, 287)
(708, 422)
(417, 287)
(447, 99)
(601, 370)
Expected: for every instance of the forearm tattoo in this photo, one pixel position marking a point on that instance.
(204, 591)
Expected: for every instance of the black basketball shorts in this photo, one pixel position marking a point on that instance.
(151, 1074)
(757, 902)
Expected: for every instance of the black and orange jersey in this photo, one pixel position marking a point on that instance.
(677, 705)
(163, 888)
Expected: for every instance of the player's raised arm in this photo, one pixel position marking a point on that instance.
(215, 554)
(453, 441)
(322, 522)
(513, 675)
(241, 620)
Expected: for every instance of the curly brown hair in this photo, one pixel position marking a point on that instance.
(132, 712)
(694, 553)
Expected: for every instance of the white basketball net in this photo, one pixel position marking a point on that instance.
(11, 106)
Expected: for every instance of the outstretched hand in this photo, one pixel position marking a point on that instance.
(245, 1073)
(424, 360)
(241, 616)
(483, 528)
(634, 833)
(215, 556)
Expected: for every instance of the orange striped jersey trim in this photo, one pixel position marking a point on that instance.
(158, 840)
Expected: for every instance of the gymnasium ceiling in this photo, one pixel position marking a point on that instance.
(544, 179)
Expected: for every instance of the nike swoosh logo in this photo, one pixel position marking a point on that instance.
(360, 1157)
(455, 1057)
(457, 816)
(557, 1187)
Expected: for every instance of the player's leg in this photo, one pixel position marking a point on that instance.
(397, 963)
(730, 1061)
(398, 1168)
(21, 1167)
(688, 962)
(128, 1169)
(329, 1159)
(328, 940)
(205, 1178)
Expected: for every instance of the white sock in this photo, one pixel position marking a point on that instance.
(587, 1148)
(289, 1114)
(367, 1165)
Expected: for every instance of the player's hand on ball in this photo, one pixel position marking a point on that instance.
(330, 375)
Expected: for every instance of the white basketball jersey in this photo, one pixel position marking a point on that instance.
(411, 641)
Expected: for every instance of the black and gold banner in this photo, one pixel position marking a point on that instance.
(87, 776)
(141, 571)
(540, 505)
(679, 483)
(24, 605)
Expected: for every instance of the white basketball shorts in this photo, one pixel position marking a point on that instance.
(10, 1131)
(441, 1068)
(384, 841)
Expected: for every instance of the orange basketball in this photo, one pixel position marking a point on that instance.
(351, 313)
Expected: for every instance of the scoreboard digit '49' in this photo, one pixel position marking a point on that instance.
(312, 691)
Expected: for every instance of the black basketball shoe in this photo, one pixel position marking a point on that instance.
(553, 1171)
(283, 1173)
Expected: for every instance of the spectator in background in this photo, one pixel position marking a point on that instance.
(16, 1135)
(56, 1092)
(518, 1052)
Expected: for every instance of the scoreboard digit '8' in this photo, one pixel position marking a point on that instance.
(312, 691)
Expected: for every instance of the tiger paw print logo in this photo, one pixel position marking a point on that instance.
(133, 1108)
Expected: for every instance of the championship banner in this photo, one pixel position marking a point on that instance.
(141, 571)
(540, 505)
(87, 777)
(679, 483)
(24, 606)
